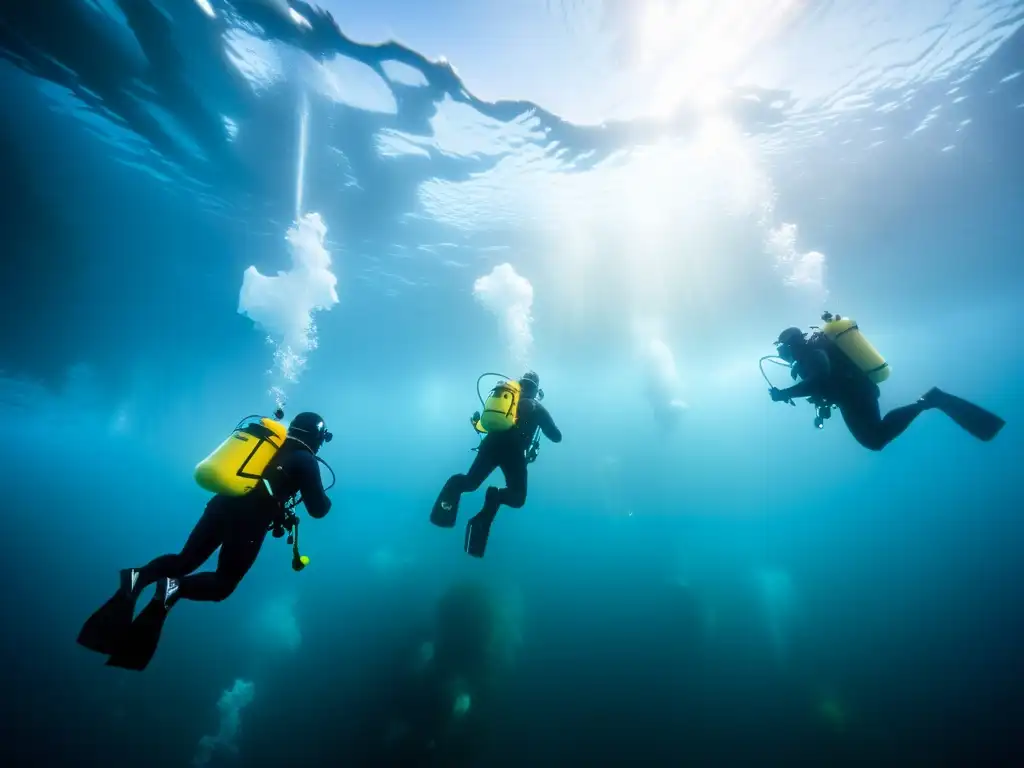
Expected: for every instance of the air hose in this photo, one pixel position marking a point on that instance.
(481, 377)
(822, 410)
(298, 561)
(775, 360)
(291, 521)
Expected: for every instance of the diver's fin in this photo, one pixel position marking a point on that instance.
(445, 511)
(983, 424)
(104, 629)
(137, 646)
(477, 530)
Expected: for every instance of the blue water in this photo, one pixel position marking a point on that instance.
(215, 208)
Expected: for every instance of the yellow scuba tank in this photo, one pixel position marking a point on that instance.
(237, 464)
(501, 408)
(846, 335)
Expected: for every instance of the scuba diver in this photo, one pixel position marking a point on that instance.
(512, 419)
(838, 367)
(256, 475)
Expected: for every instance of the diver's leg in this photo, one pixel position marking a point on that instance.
(201, 544)
(897, 420)
(446, 508)
(486, 461)
(244, 529)
(513, 467)
(242, 543)
(864, 420)
(478, 528)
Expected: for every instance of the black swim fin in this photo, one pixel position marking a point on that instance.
(478, 529)
(104, 629)
(445, 511)
(983, 424)
(136, 648)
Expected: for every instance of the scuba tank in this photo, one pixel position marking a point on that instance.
(846, 335)
(501, 407)
(236, 465)
(501, 410)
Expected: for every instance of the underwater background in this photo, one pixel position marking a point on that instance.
(216, 207)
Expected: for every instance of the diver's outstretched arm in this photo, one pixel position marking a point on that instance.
(813, 371)
(802, 389)
(547, 425)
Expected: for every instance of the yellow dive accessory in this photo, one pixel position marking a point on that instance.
(845, 334)
(501, 407)
(237, 464)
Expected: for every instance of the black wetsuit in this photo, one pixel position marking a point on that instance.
(830, 378)
(238, 525)
(505, 451)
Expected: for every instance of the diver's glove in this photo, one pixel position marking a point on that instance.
(778, 396)
(475, 418)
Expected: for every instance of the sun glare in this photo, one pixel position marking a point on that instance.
(693, 51)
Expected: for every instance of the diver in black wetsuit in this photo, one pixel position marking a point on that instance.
(830, 379)
(236, 524)
(500, 450)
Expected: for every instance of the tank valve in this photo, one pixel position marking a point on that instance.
(827, 316)
(279, 414)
